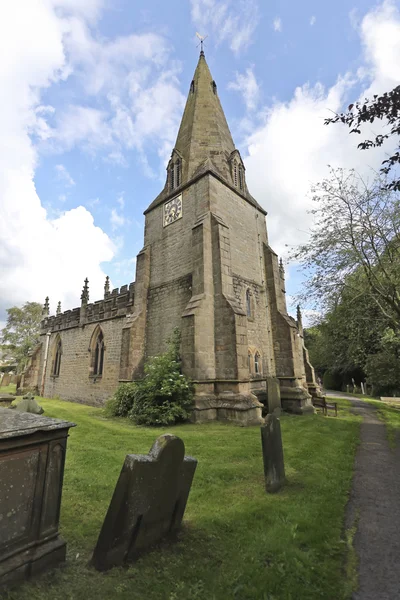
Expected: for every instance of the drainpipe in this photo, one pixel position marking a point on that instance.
(46, 352)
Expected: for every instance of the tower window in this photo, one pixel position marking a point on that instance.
(57, 359)
(214, 87)
(172, 177)
(192, 87)
(235, 175)
(257, 365)
(178, 172)
(240, 177)
(248, 303)
(99, 355)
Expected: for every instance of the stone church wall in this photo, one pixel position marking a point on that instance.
(74, 381)
(165, 305)
(247, 233)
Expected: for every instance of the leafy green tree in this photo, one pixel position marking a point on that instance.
(385, 108)
(164, 396)
(355, 239)
(21, 333)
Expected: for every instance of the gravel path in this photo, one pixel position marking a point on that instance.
(374, 506)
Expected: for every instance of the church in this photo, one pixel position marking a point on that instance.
(206, 267)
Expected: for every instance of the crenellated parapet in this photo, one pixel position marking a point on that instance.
(116, 304)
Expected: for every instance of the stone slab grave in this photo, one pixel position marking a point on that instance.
(32, 455)
(394, 399)
(148, 503)
(6, 399)
(272, 449)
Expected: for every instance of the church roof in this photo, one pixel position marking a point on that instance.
(204, 142)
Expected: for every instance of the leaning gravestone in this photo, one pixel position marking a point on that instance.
(148, 503)
(28, 404)
(274, 467)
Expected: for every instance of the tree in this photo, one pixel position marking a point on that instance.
(385, 108)
(21, 332)
(354, 244)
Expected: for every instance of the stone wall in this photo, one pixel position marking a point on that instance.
(74, 381)
(165, 306)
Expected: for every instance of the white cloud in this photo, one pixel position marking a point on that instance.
(46, 42)
(277, 24)
(313, 20)
(233, 21)
(64, 175)
(247, 85)
(117, 219)
(292, 147)
(39, 255)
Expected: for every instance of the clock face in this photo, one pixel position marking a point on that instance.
(173, 210)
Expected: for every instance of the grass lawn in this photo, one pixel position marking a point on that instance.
(237, 542)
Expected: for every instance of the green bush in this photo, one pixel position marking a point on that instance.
(164, 396)
(332, 381)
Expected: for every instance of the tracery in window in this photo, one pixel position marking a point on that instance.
(98, 361)
(57, 357)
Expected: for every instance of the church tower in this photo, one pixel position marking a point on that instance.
(206, 267)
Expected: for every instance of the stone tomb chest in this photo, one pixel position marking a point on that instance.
(32, 455)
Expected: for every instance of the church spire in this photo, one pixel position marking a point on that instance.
(204, 132)
(204, 142)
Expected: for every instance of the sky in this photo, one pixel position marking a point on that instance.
(92, 94)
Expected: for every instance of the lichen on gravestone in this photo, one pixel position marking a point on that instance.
(148, 503)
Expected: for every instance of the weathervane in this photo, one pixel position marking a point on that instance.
(201, 38)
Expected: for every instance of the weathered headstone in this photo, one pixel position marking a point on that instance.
(28, 404)
(148, 503)
(6, 380)
(32, 455)
(274, 466)
(273, 394)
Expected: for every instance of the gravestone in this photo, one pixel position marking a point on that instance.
(274, 467)
(273, 394)
(148, 503)
(6, 380)
(32, 455)
(28, 404)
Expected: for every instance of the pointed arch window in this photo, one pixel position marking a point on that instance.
(249, 360)
(98, 362)
(57, 358)
(257, 363)
(175, 174)
(235, 174)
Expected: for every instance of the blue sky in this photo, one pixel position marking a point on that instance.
(94, 93)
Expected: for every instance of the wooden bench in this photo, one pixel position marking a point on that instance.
(324, 405)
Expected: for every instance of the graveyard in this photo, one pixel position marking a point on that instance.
(236, 541)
